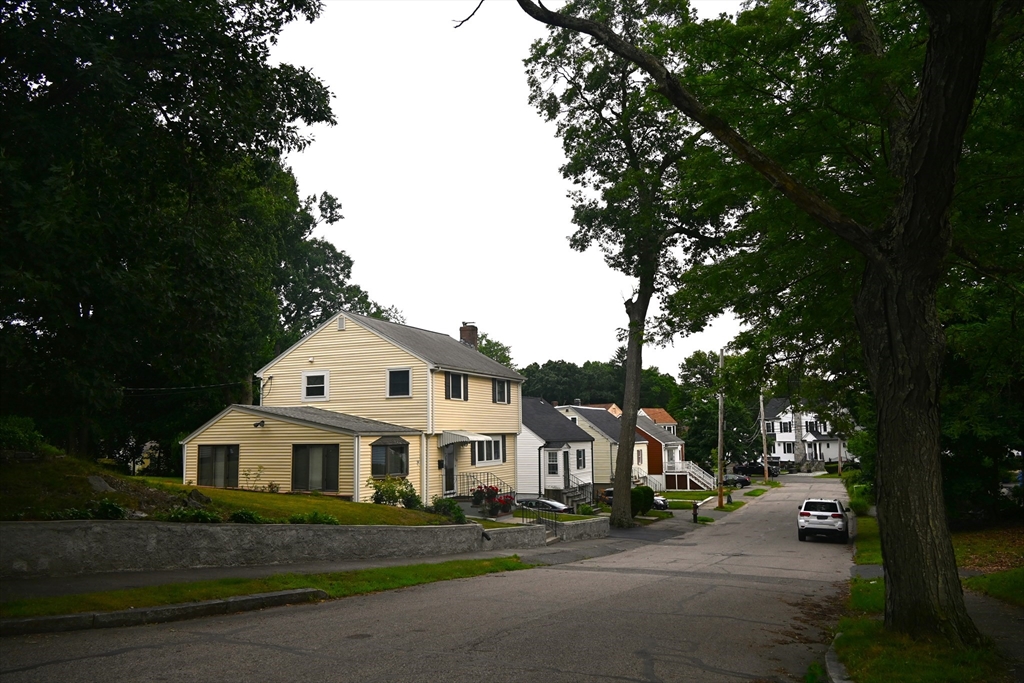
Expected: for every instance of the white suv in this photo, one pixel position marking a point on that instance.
(825, 517)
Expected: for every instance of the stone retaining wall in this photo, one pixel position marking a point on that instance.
(582, 529)
(66, 548)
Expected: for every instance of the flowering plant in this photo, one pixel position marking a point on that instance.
(491, 493)
(505, 502)
(478, 495)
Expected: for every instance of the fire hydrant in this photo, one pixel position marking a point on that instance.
(696, 505)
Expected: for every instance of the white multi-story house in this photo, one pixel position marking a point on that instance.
(799, 436)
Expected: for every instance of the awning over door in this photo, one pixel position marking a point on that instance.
(452, 437)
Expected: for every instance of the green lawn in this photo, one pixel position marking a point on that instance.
(754, 493)
(1006, 585)
(732, 507)
(336, 585)
(867, 542)
(680, 505)
(519, 514)
(688, 495)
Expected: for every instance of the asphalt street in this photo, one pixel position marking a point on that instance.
(739, 600)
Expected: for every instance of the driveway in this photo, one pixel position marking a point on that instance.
(739, 600)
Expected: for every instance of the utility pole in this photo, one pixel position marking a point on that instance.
(721, 424)
(764, 440)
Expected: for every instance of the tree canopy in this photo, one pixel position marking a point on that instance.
(156, 250)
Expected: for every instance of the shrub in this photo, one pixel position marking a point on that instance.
(449, 508)
(641, 500)
(108, 509)
(273, 487)
(393, 490)
(193, 515)
(412, 500)
(315, 517)
(19, 434)
(859, 504)
(68, 513)
(585, 509)
(248, 517)
(832, 467)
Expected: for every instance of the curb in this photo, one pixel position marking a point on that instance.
(833, 667)
(157, 615)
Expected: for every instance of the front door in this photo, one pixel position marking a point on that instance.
(449, 470)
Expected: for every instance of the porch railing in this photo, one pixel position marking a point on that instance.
(466, 483)
(694, 471)
(582, 491)
(535, 516)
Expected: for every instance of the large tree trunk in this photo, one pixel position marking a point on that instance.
(636, 309)
(903, 345)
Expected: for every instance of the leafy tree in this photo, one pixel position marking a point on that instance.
(495, 350)
(855, 115)
(153, 237)
(634, 198)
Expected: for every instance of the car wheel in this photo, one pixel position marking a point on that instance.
(801, 534)
(844, 537)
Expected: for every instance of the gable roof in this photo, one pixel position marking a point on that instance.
(603, 421)
(659, 416)
(774, 407)
(541, 418)
(435, 348)
(312, 417)
(655, 432)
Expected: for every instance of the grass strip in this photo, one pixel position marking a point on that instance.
(680, 505)
(335, 584)
(770, 483)
(1006, 585)
(731, 507)
(705, 520)
(873, 654)
(687, 495)
(559, 517)
(867, 596)
(754, 493)
(868, 542)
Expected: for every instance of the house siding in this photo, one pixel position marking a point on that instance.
(365, 491)
(654, 460)
(478, 414)
(269, 446)
(358, 361)
(527, 467)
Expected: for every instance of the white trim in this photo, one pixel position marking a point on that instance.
(430, 400)
(423, 470)
(387, 382)
(356, 443)
(327, 386)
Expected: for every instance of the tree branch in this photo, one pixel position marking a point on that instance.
(460, 23)
(668, 85)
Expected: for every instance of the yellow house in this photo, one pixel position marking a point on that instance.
(604, 427)
(378, 398)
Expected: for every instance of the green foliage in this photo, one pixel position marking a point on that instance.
(594, 382)
(394, 490)
(495, 350)
(109, 509)
(585, 509)
(248, 517)
(153, 235)
(448, 507)
(19, 434)
(1006, 585)
(315, 517)
(192, 515)
(638, 504)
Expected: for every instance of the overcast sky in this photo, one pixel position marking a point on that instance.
(454, 207)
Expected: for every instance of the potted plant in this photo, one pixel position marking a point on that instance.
(494, 507)
(505, 502)
(491, 493)
(478, 495)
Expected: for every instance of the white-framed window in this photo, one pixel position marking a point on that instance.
(581, 458)
(769, 427)
(456, 386)
(785, 427)
(490, 451)
(316, 385)
(573, 419)
(639, 457)
(501, 392)
(399, 382)
(671, 429)
(552, 462)
(811, 427)
(787, 447)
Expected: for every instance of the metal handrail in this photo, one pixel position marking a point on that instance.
(534, 516)
(578, 487)
(466, 483)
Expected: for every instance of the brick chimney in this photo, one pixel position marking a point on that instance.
(468, 334)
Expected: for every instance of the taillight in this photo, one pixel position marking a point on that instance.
(836, 515)
(805, 514)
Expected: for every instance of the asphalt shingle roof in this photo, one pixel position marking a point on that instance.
(654, 431)
(604, 422)
(330, 419)
(437, 348)
(543, 420)
(659, 416)
(775, 406)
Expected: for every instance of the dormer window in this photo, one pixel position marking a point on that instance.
(316, 385)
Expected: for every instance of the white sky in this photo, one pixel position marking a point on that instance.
(454, 207)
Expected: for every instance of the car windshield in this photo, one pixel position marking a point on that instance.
(820, 506)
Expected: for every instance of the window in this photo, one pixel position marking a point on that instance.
(639, 457)
(811, 426)
(399, 382)
(785, 426)
(787, 447)
(573, 419)
(581, 458)
(218, 466)
(492, 450)
(456, 386)
(389, 457)
(671, 429)
(315, 467)
(316, 385)
(500, 391)
(552, 462)
(769, 427)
